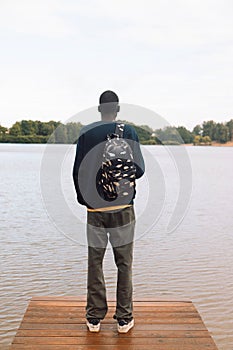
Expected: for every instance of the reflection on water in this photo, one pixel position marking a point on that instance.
(195, 261)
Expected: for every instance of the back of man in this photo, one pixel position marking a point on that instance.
(115, 218)
(89, 158)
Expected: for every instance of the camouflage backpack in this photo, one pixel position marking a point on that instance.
(118, 171)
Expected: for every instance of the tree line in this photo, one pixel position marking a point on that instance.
(29, 131)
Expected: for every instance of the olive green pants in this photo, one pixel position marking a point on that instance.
(118, 227)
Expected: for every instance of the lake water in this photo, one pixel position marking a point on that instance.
(194, 261)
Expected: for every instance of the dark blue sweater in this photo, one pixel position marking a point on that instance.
(88, 161)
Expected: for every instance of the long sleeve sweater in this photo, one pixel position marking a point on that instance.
(88, 160)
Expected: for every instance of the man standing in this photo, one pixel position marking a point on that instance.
(107, 216)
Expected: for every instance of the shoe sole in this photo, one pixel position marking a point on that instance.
(126, 328)
(92, 328)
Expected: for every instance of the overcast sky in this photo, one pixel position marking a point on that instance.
(174, 57)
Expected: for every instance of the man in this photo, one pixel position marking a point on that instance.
(104, 217)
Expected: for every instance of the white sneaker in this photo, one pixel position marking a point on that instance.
(123, 326)
(93, 324)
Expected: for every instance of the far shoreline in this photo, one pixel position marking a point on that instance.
(213, 144)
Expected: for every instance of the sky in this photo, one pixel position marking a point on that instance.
(174, 57)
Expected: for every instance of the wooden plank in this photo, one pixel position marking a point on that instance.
(111, 333)
(83, 299)
(112, 326)
(166, 308)
(110, 341)
(77, 303)
(60, 298)
(137, 314)
(77, 320)
(159, 346)
(59, 323)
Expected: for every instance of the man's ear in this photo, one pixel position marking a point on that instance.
(99, 109)
(118, 109)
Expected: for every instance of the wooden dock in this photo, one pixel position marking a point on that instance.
(59, 323)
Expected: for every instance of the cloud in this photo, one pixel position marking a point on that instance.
(172, 56)
(178, 24)
(30, 17)
(170, 24)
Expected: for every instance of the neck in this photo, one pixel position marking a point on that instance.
(108, 118)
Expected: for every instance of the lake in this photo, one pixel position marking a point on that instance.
(193, 260)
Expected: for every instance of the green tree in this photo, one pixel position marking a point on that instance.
(222, 133)
(185, 134)
(147, 128)
(197, 140)
(197, 130)
(73, 130)
(60, 134)
(206, 140)
(230, 127)
(28, 127)
(208, 129)
(45, 129)
(2, 130)
(15, 130)
(169, 135)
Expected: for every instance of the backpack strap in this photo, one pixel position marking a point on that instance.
(119, 129)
